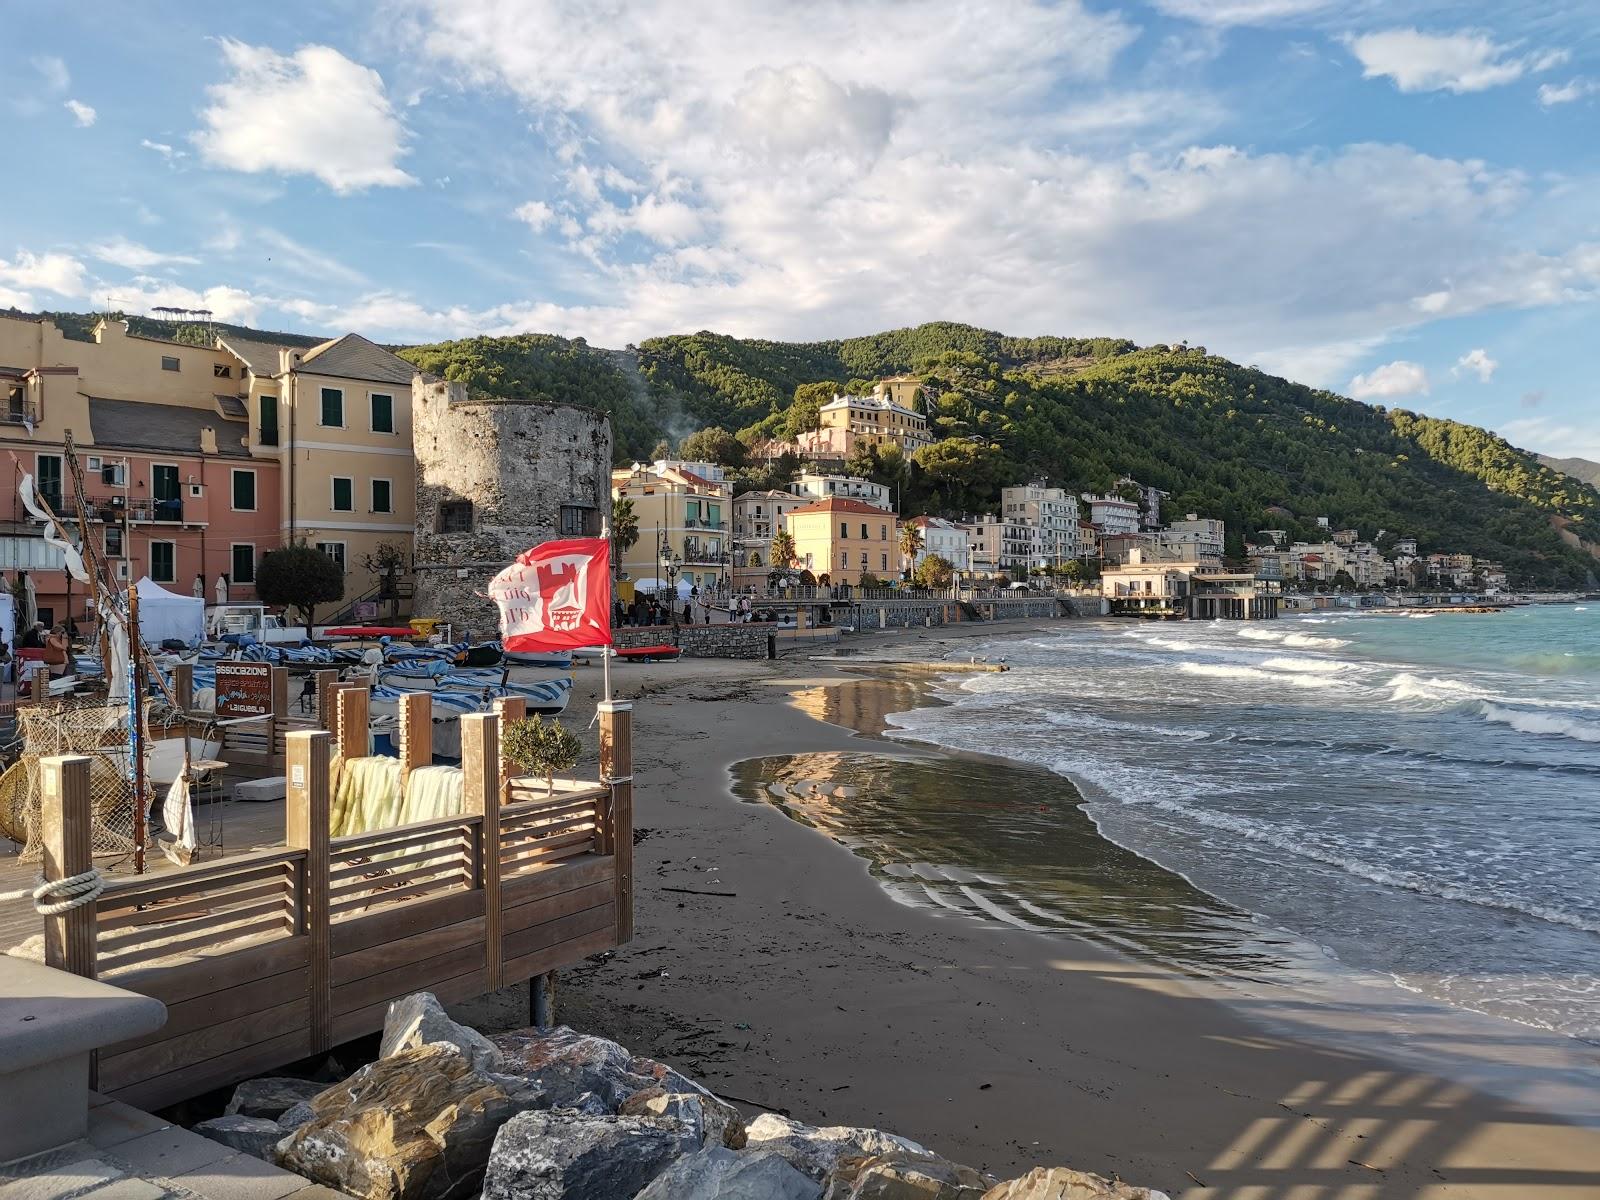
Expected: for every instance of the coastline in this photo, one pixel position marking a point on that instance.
(811, 990)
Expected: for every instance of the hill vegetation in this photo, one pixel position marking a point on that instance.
(1581, 469)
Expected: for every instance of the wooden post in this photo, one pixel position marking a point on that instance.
(326, 682)
(481, 778)
(353, 722)
(616, 771)
(279, 724)
(306, 828)
(39, 685)
(69, 939)
(183, 686)
(511, 708)
(416, 734)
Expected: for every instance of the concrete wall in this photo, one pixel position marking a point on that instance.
(701, 641)
(518, 462)
(902, 614)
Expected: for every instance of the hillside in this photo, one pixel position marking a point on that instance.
(1581, 469)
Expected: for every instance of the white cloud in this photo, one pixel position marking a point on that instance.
(81, 113)
(1551, 435)
(121, 252)
(1476, 362)
(1457, 62)
(1398, 378)
(166, 151)
(29, 272)
(1241, 12)
(536, 214)
(54, 72)
(1551, 94)
(313, 113)
(800, 110)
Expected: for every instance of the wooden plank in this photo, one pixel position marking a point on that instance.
(417, 975)
(216, 973)
(160, 914)
(370, 1019)
(155, 951)
(357, 933)
(616, 769)
(415, 719)
(126, 893)
(306, 828)
(526, 797)
(69, 939)
(249, 997)
(396, 865)
(482, 779)
(547, 881)
(521, 843)
(562, 954)
(446, 880)
(550, 933)
(400, 836)
(521, 858)
(353, 723)
(172, 1054)
(386, 955)
(560, 905)
(162, 1090)
(222, 924)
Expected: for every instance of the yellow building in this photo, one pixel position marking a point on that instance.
(682, 508)
(885, 416)
(839, 540)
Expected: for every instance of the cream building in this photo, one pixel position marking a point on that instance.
(945, 539)
(681, 512)
(844, 539)
(884, 416)
(817, 486)
(757, 516)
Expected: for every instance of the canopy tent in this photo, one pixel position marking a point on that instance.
(651, 586)
(166, 615)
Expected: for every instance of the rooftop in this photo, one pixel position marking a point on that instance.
(355, 357)
(838, 504)
(135, 425)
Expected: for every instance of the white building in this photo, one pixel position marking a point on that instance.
(1112, 514)
(1205, 535)
(946, 539)
(757, 516)
(985, 542)
(1150, 499)
(1054, 515)
(815, 486)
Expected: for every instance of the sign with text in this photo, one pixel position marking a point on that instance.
(556, 596)
(244, 689)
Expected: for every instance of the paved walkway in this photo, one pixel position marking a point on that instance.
(131, 1155)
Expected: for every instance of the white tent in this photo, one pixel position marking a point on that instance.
(651, 586)
(8, 619)
(164, 614)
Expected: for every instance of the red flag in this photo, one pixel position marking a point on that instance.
(556, 596)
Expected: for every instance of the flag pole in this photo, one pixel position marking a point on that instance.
(605, 651)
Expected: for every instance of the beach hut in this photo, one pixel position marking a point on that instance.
(165, 615)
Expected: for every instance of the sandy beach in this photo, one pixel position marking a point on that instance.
(768, 963)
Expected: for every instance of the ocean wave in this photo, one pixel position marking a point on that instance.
(1222, 671)
(1433, 689)
(1260, 635)
(1553, 724)
(1310, 641)
(1067, 719)
(1312, 666)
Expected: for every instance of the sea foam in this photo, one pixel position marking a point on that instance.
(1220, 671)
(1554, 724)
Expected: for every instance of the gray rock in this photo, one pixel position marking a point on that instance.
(1063, 1183)
(565, 1064)
(717, 1173)
(903, 1175)
(295, 1117)
(255, 1136)
(816, 1151)
(564, 1155)
(711, 1121)
(271, 1096)
(418, 1019)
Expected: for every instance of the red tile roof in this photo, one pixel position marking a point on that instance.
(840, 505)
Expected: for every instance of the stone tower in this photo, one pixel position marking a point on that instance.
(495, 477)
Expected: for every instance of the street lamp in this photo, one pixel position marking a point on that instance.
(670, 563)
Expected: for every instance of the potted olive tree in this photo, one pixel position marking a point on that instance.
(540, 748)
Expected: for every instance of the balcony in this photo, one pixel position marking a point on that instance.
(697, 523)
(702, 556)
(158, 512)
(19, 410)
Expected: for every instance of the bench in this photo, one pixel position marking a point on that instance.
(648, 653)
(50, 1021)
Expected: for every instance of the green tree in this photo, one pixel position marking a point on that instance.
(805, 410)
(299, 577)
(934, 571)
(624, 531)
(714, 445)
(541, 747)
(910, 545)
(783, 554)
(968, 471)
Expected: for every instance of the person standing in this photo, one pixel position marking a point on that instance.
(57, 652)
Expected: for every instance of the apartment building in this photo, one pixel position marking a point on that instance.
(1112, 514)
(884, 416)
(1149, 500)
(945, 539)
(841, 487)
(757, 517)
(680, 513)
(1206, 537)
(985, 542)
(1054, 515)
(840, 540)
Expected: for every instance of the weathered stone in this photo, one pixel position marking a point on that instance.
(255, 1136)
(565, 1155)
(419, 1018)
(817, 1151)
(271, 1096)
(712, 1121)
(565, 1064)
(295, 1117)
(716, 1173)
(1063, 1183)
(417, 1125)
(904, 1175)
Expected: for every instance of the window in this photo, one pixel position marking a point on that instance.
(455, 516)
(844, 530)
(863, 531)
(221, 371)
(243, 563)
(169, 363)
(382, 413)
(268, 421)
(333, 407)
(335, 551)
(113, 541)
(114, 474)
(344, 494)
(883, 533)
(163, 561)
(47, 478)
(844, 559)
(164, 482)
(885, 558)
(244, 490)
(579, 520)
(382, 498)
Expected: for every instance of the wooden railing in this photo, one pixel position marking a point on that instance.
(274, 956)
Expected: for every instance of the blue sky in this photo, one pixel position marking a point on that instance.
(1390, 198)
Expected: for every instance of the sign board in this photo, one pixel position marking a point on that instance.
(244, 689)
(366, 610)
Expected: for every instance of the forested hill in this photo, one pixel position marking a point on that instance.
(1581, 469)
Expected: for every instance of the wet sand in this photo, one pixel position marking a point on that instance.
(802, 986)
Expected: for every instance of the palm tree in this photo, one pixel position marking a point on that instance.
(783, 554)
(624, 531)
(910, 544)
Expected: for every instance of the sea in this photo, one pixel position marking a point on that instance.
(1398, 812)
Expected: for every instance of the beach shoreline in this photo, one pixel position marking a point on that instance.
(771, 965)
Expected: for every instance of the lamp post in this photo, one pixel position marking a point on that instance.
(670, 563)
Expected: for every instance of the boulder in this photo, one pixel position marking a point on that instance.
(419, 1019)
(1063, 1183)
(817, 1151)
(255, 1136)
(564, 1155)
(711, 1121)
(295, 1117)
(417, 1125)
(564, 1064)
(904, 1175)
(716, 1173)
(271, 1096)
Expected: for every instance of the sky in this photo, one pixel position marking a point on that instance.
(1394, 199)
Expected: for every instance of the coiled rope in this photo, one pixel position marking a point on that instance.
(52, 897)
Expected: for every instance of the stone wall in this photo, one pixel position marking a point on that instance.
(518, 462)
(902, 614)
(701, 641)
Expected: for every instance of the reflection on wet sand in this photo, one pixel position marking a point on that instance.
(863, 705)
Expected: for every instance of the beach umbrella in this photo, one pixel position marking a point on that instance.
(222, 589)
(198, 588)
